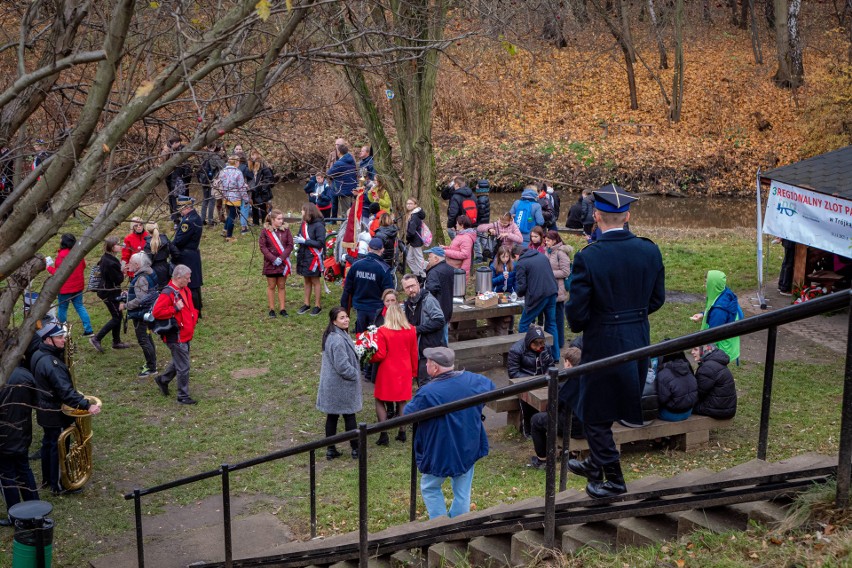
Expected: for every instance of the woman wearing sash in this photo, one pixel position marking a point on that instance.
(276, 244)
(309, 259)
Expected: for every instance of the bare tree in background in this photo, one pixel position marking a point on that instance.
(110, 78)
(790, 73)
(658, 34)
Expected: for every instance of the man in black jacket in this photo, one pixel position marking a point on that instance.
(529, 356)
(366, 281)
(187, 240)
(17, 399)
(535, 283)
(424, 313)
(54, 385)
(439, 283)
(455, 208)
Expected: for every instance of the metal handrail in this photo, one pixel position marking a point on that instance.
(769, 321)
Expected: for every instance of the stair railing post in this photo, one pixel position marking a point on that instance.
(137, 509)
(226, 515)
(412, 506)
(550, 468)
(766, 401)
(566, 447)
(844, 457)
(312, 469)
(363, 550)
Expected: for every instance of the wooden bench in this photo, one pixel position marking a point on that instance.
(480, 354)
(687, 434)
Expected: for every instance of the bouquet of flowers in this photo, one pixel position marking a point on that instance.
(365, 345)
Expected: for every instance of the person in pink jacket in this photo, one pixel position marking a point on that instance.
(504, 229)
(460, 252)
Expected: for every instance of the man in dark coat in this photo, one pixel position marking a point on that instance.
(18, 397)
(55, 387)
(186, 241)
(717, 392)
(366, 281)
(618, 281)
(529, 356)
(455, 208)
(344, 179)
(536, 284)
(424, 313)
(439, 283)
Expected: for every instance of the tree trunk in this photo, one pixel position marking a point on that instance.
(733, 6)
(705, 12)
(797, 70)
(627, 36)
(677, 79)
(655, 25)
(755, 35)
(618, 33)
(579, 10)
(769, 13)
(744, 19)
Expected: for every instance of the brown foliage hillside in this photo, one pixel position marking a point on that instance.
(510, 112)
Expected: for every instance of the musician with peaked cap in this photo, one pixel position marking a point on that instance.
(187, 239)
(618, 281)
(55, 387)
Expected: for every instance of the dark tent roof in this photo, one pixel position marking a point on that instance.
(829, 173)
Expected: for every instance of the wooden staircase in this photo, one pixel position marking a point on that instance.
(653, 510)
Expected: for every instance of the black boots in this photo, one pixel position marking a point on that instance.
(383, 439)
(586, 468)
(614, 484)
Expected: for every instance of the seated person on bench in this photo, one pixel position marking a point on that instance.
(538, 424)
(717, 392)
(529, 357)
(677, 390)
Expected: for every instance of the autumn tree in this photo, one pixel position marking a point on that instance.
(788, 44)
(415, 28)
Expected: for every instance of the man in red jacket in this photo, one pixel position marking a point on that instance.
(133, 243)
(175, 301)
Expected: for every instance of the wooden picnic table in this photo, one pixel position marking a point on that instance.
(466, 315)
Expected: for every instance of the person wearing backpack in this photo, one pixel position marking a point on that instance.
(483, 217)
(549, 202)
(526, 212)
(462, 202)
(141, 295)
(414, 233)
(74, 286)
(175, 302)
(209, 170)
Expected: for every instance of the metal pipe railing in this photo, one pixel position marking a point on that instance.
(769, 321)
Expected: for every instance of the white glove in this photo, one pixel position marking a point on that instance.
(277, 262)
(300, 240)
(48, 260)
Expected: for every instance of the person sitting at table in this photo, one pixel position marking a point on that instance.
(502, 280)
(538, 422)
(529, 357)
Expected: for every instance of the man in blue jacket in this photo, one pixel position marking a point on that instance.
(365, 283)
(344, 179)
(449, 445)
(535, 283)
(526, 212)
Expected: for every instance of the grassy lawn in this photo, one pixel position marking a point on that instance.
(256, 378)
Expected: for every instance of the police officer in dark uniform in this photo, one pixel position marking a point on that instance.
(618, 280)
(55, 387)
(186, 240)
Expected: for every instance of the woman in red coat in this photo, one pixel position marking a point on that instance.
(276, 244)
(397, 353)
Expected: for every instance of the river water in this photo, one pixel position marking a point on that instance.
(650, 211)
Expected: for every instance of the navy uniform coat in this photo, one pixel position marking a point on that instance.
(618, 280)
(186, 241)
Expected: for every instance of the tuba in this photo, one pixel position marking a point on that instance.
(75, 442)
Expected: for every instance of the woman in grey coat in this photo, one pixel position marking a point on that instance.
(340, 374)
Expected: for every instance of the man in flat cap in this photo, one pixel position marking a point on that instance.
(618, 280)
(449, 445)
(187, 239)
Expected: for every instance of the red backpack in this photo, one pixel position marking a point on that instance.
(469, 206)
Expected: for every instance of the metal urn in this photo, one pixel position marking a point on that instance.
(483, 280)
(459, 283)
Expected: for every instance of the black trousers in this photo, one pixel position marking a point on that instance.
(601, 443)
(196, 299)
(348, 422)
(113, 325)
(538, 430)
(17, 479)
(143, 336)
(785, 278)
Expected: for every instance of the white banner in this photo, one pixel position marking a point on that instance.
(810, 218)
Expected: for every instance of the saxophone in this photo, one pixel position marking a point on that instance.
(75, 442)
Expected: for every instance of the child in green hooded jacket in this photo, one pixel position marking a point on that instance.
(722, 307)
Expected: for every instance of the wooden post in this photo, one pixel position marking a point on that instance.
(799, 268)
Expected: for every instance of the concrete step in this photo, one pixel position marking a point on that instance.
(645, 531)
(714, 519)
(381, 562)
(601, 536)
(526, 546)
(447, 554)
(414, 558)
(767, 513)
(490, 551)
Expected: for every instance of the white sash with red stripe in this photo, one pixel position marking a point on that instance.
(316, 253)
(280, 248)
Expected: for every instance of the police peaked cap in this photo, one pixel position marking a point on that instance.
(613, 199)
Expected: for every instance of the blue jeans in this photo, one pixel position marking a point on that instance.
(446, 334)
(229, 222)
(245, 211)
(669, 416)
(546, 306)
(77, 300)
(560, 326)
(433, 497)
